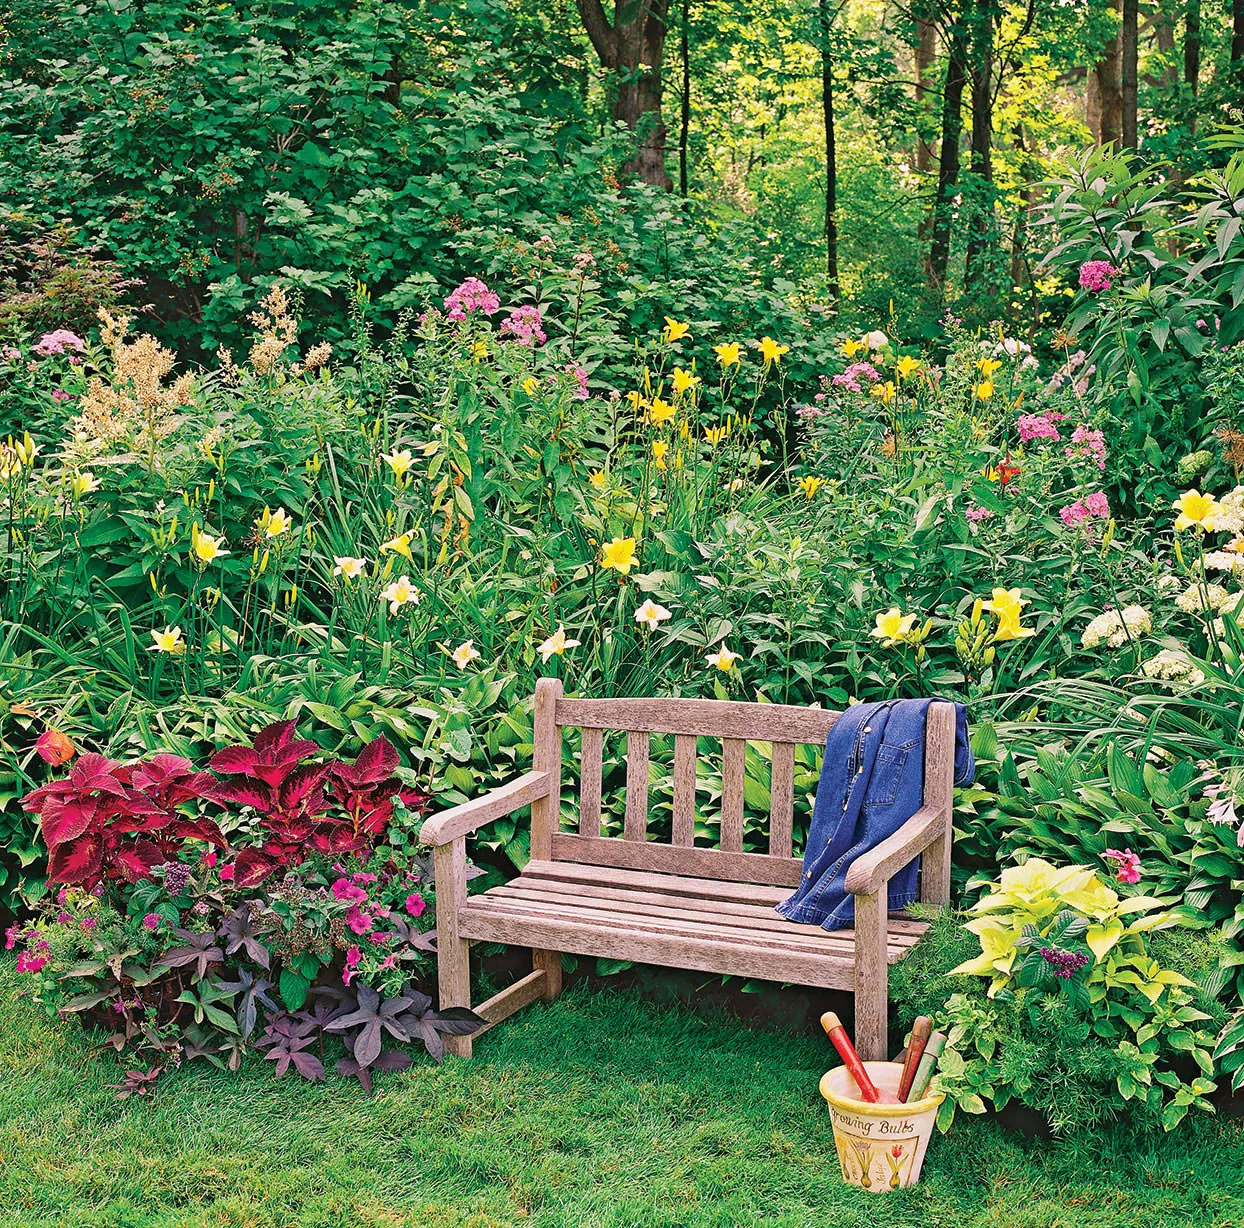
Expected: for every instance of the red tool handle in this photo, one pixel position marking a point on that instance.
(846, 1050)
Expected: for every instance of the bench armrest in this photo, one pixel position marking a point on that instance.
(462, 820)
(872, 870)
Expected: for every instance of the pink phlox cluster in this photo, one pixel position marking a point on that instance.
(472, 295)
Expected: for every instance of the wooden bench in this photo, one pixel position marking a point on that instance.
(680, 905)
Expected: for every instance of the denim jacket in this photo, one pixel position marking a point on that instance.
(872, 782)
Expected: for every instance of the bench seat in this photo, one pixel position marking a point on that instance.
(673, 920)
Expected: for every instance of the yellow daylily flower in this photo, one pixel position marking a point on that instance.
(169, 640)
(675, 331)
(728, 353)
(399, 462)
(205, 548)
(906, 366)
(771, 351)
(401, 592)
(894, 627)
(659, 411)
(399, 545)
(851, 347)
(638, 401)
(884, 392)
(479, 351)
(651, 615)
(984, 390)
(619, 555)
(348, 568)
(556, 644)
(659, 449)
(810, 485)
(529, 385)
(598, 479)
(988, 366)
(464, 654)
(684, 381)
(723, 659)
(715, 434)
(273, 524)
(1007, 605)
(82, 484)
(1197, 511)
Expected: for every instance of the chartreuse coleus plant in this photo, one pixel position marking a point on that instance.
(1078, 1020)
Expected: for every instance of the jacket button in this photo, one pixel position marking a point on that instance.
(808, 875)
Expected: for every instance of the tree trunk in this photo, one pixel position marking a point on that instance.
(831, 152)
(981, 232)
(1128, 48)
(1109, 88)
(1019, 240)
(623, 46)
(1192, 56)
(926, 53)
(948, 163)
(684, 128)
(1237, 38)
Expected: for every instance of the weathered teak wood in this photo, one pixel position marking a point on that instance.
(680, 904)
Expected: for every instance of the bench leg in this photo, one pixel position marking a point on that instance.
(453, 959)
(550, 963)
(872, 975)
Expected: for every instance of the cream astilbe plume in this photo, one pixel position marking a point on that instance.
(278, 330)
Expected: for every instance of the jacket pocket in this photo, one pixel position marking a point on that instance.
(886, 776)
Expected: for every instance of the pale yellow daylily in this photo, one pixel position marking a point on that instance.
(169, 640)
(1197, 511)
(651, 615)
(464, 654)
(555, 645)
(401, 592)
(723, 659)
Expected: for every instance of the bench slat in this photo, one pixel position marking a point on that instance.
(710, 718)
(666, 858)
(684, 790)
(589, 782)
(635, 825)
(727, 919)
(733, 759)
(781, 799)
(665, 948)
(671, 884)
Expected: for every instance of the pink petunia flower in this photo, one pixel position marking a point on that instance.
(359, 922)
(353, 957)
(30, 963)
(227, 873)
(344, 889)
(415, 904)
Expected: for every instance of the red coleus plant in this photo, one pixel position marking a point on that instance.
(112, 820)
(332, 807)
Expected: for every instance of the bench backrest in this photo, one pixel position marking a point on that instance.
(734, 724)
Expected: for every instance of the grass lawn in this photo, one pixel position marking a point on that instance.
(599, 1109)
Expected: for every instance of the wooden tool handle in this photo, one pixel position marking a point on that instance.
(846, 1050)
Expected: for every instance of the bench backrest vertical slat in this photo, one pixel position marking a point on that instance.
(732, 724)
(635, 824)
(683, 834)
(546, 756)
(589, 782)
(733, 757)
(781, 799)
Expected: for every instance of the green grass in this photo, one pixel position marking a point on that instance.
(598, 1109)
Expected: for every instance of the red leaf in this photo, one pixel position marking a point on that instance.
(252, 867)
(66, 819)
(234, 761)
(301, 783)
(136, 861)
(376, 760)
(198, 829)
(77, 861)
(273, 737)
(244, 794)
